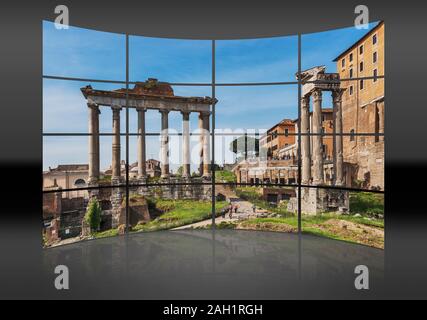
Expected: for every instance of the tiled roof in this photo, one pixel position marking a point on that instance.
(70, 167)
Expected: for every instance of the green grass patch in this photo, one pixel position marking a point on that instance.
(176, 213)
(225, 176)
(106, 233)
(367, 203)
(290, 220)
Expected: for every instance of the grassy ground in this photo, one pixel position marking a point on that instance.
(340, 227)
(106, 233)
(225, 176)
(176, 213)
(366, 228)
(366, 203)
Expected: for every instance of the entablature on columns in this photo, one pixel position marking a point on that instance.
(316, 79)
(144, 96)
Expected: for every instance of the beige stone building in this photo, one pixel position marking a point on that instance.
(67, 176)
(363, 108)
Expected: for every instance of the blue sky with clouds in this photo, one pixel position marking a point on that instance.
(83, 53)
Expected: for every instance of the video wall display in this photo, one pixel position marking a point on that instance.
(146, 134)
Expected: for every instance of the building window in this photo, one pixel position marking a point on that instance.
(286, 132)
(374, 57)
(352, 135)
(351, 57)
(361, 66)
(375, 75)
(361, 49)
(374, 39)
(351, 73)
(351, 90)
(79, 182)
(361, 84)
(343, 63)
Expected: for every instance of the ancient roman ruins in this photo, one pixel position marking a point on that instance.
(315, 200)
(149, 95)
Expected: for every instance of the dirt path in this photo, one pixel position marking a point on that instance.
(244, 210)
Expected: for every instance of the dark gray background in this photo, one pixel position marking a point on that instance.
(21, 266)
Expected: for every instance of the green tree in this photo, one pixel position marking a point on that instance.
(93, 215)
(245, 146)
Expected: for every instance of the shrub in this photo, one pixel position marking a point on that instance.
(93, 215)
(367, 203)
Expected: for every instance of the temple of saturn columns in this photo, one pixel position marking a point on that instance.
(314, 199)
(150, 95)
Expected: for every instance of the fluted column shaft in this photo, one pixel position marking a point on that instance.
(305, 140)
(206, 145)
(93, 123)
(116, 144)
(318, 138)
(164, 144)
(142, 173)
(201, 138)
(338, 126)
(186, 143)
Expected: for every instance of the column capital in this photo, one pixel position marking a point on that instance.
(115, 107)
(317, 94)
(92, 105)
(141, 109)
(337, 95)
(164, 111)
(185, 112)
(305, 100)
(204, 113)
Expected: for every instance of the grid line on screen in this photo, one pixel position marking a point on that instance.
(127, 134)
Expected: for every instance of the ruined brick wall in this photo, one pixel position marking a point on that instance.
(367, 152)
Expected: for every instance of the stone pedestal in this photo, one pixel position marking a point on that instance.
(317, 200)
(116, 198)
(142, 190)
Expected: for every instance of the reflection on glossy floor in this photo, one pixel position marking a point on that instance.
(221, 264)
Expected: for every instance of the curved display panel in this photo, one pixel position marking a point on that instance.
(146, 134)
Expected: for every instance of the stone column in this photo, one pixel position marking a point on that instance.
(206, 145)
(164, 144)
(318, 138)
(142, 173)
(116, 168)
(93, 143)
(305, 140)
(186, 144)
(201, 143)
(338, 125)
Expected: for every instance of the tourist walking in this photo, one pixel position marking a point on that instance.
(253, 208)
(230, 211)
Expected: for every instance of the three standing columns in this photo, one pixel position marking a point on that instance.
(317, 140)
(93, 143)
